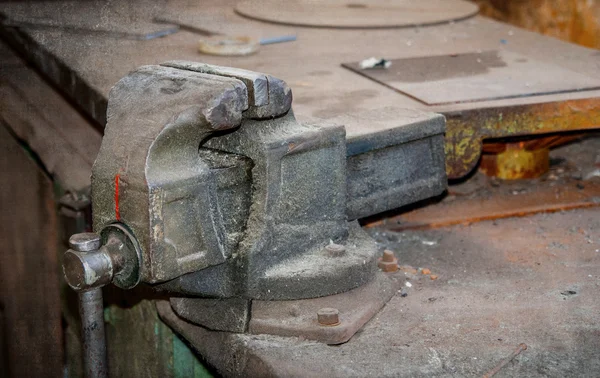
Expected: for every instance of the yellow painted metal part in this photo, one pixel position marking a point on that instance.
(516, 163)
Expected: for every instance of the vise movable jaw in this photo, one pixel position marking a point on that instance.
(214, 192)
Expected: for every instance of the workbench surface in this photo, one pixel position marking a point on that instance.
(311, 65)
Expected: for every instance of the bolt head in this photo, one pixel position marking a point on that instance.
(388, 262)
(388, 256)
(85, 242)
(328, 316)
(335, 250)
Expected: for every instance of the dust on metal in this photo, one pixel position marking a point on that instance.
(476, 76)
(335, 250)
(298, 318)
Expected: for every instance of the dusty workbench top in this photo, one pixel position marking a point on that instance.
(498, 284)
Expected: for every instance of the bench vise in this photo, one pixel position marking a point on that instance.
(207, 187)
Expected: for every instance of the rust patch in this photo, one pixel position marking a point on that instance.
(465, 131)
(465, 210)
(570, 20)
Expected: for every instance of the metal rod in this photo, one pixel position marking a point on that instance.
(503, 363)
(280, 39)
(91, 309)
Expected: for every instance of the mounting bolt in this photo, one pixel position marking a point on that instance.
(328, 316)
(335, 250)
(388, 262)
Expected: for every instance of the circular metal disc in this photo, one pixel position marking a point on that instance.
(357, 13)
(228, 46)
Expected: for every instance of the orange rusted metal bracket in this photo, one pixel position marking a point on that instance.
(466, 130)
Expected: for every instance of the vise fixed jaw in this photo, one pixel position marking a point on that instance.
(221, 197)
(150, 175)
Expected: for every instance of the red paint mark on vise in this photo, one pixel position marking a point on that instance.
(117, 212)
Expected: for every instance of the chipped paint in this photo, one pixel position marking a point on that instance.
(465, 131)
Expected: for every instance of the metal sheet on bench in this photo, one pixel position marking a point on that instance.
(476, 76)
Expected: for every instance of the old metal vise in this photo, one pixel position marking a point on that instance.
(207, 187)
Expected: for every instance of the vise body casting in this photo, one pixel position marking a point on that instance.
(207, 186)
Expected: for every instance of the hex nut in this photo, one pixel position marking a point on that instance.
(388, 262)
(328, 316)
